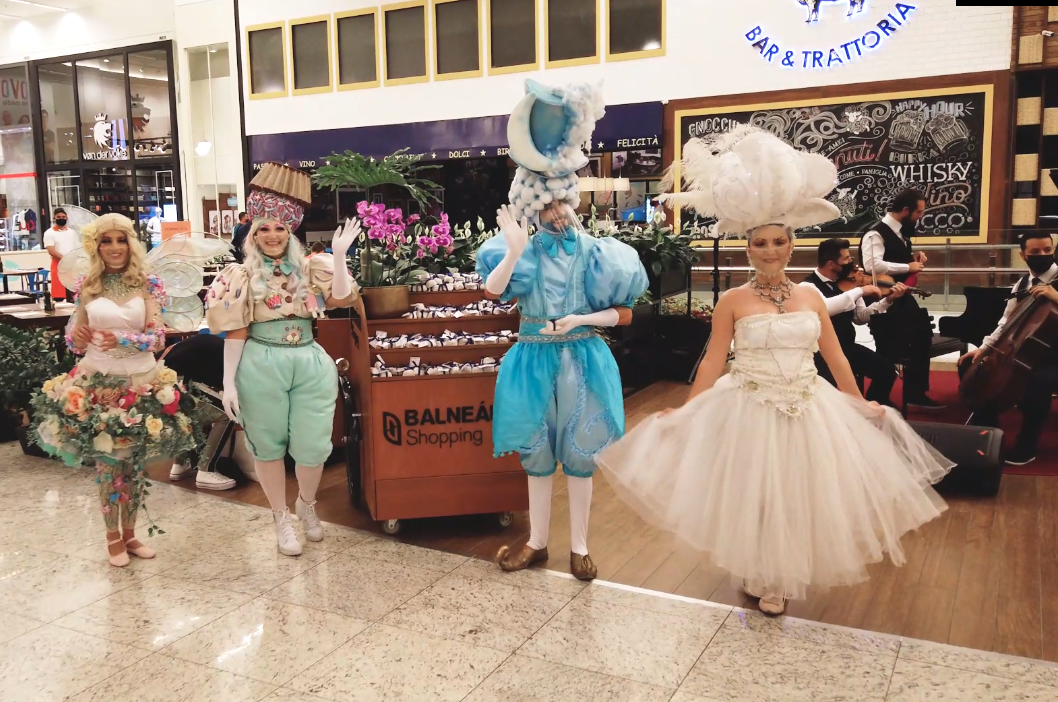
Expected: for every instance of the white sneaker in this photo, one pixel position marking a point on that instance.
(213, 481)
(306, 512)
(286, 539)
(179, 471)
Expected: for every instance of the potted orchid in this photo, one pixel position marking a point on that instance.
(396, 254)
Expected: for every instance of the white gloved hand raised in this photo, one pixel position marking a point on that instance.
(230, 397)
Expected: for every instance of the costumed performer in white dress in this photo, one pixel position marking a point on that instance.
(558, 394)
(783, 480)
(120, 407)
(279, 384)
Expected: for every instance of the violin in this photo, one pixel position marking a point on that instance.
(858, 279)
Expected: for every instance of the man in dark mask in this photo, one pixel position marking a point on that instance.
(1037, 250)
(847, 309)
(906, 331)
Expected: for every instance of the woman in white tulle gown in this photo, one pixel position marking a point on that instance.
(784, 481)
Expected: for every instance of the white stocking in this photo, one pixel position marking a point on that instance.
(273, 478)
(308, 481)
(539, 511)
(579, 490)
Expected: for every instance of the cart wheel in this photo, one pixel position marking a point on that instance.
(505, 519)
(391, 526)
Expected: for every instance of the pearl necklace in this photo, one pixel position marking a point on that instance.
(775, 294)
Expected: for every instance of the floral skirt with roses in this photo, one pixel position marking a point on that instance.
(90, 419)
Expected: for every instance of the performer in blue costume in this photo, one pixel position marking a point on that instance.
(558, 395)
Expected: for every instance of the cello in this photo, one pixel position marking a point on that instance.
(998, 378)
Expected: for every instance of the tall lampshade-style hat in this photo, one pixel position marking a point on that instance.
(548, 133)
(748, 177)
(279, 192)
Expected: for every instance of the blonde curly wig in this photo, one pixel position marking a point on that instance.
(135, 273)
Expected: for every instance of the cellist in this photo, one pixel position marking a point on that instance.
(1037, 250)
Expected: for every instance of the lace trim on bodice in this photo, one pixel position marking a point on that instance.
(774, 359)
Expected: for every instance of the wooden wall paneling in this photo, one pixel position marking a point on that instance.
(1026, 167)
(1052, 13)
(1002, 123)
(1030, 50)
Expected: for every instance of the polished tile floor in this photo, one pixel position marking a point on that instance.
(221, 616)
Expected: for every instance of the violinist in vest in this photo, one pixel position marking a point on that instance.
(847, 309)
(886, 250)
(1037, 250)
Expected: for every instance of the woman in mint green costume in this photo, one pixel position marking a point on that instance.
(279, 384)
(558, 394)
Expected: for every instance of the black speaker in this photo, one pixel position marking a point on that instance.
(976, 451)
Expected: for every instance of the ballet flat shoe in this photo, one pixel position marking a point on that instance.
(582, 567)
(120, 560)
(511, 562)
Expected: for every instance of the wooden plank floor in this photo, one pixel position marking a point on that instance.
(983, 576)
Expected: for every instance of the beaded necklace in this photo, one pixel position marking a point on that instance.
(115, 287)
(775, 294)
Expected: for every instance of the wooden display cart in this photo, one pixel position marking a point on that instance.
(424, 442)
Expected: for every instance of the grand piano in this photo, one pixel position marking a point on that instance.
(984, 309)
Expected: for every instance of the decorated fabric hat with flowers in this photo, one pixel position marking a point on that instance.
(281, 193)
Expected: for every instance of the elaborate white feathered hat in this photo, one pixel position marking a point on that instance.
(548, 132)
(747, 178)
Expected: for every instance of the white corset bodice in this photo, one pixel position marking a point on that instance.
(774, 358)
(129, 316)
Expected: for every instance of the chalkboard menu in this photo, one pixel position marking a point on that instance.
(936, 142)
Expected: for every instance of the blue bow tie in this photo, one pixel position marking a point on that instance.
(550, 242)
(281, 263)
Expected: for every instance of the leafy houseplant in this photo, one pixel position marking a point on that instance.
(460, 255)
(662, 251)
(27, 360)
(386, 272)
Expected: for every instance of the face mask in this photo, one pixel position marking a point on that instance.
(1039, 263)
(61, 222)
(847, 269)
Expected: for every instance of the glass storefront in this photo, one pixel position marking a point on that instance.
(109, 131)
(19, 213)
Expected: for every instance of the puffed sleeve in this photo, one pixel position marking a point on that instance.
(321, 274)
(229, 304)
(492, 252)
(615, 275)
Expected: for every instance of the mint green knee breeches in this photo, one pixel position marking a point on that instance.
(287, 397)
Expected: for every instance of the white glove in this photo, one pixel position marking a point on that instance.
(344, 237)
(230, 397)
(517, 238)
(604, 318)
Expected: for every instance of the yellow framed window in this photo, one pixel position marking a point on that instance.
(635, 29)
(404, 42)
(356, 36)
(310, 52)
(456, 39)
(266, 55)
(513, 36)
(571, 32)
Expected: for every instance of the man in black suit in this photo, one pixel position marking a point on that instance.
(1037, 250)
(886, 250)
(848, 309)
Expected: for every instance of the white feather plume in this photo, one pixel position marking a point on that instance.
(747, 177)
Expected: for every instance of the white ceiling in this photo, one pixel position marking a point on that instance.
(10, 9)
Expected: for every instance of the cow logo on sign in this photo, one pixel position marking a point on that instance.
(855, 7)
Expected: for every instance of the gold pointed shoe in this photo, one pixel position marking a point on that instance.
(582, 567)
(511, 562)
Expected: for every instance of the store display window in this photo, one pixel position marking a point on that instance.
(19, 214)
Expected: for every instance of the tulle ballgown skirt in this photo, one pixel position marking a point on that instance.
(783, 502)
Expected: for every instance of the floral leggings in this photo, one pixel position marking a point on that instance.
(120, 495)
